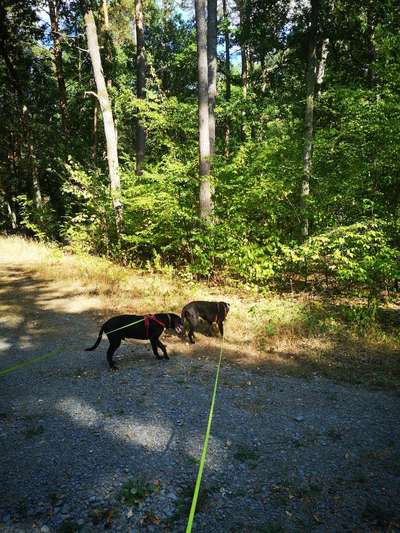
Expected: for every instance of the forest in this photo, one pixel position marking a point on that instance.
(169, 164)
(250, 141)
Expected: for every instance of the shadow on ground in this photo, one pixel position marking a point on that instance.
(289, 454)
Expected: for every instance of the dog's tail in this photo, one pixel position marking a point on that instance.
(97, 341)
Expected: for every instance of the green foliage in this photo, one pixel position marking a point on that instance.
(89, 224)
(358, 254)
(39, 221)
(136, 490)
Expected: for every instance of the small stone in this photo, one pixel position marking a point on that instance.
(45, 529)
(299, 418)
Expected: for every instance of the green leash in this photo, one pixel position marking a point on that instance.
(205, 446)
(29, 362)
(122, 327)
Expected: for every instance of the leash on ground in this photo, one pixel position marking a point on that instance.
(29, 362)
(205, 446)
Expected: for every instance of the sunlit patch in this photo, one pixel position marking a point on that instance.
(151, 436)
(216, 450)
(11, 320)
(79, 411)
(154, 437)
(4, 345)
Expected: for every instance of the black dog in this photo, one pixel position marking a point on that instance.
(138, 327)
(208, 311)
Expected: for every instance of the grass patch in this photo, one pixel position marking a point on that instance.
(136, 490)
(68, 526)
(247, 455)
(103, 516)
(34, 431)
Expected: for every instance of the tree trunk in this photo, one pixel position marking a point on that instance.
(227, 73)
(140, 84)
(206, 206)
(243, 50)
(105, 105)
(212, 70)
(95, 122)
(58, 61)
(321, 65)
(107, 42)
(227, 52)
(309, 117)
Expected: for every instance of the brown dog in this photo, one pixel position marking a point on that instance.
(208, 311)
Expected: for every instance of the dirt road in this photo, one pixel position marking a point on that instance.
(83, 449)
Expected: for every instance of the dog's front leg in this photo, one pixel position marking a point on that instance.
(163, 348)
(221, 327)
(154, 345)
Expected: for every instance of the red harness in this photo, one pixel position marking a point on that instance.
(147, 319)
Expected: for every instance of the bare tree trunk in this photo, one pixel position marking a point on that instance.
(212, 70)
(105, 15)
(321, 65)
(227, 73)
(309, 117)
(108, 121)
(206, 206)
(243, 49)
(107, 40)
(58, 61)
(227, 39)
(95, 121)
(140, 84)
(11, 185)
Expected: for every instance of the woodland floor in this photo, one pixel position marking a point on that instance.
(286, 453)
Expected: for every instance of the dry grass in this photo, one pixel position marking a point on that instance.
(291, 334)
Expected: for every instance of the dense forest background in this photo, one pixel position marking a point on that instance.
(303, 177)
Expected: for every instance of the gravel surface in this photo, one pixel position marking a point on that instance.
(84, 449)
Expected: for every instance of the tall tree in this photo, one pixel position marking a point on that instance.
(140, 83)
(206, 205)
(58, 61)
(227, 51)
(108, 121)
(311, 78)
(244, 51)
(212, 69)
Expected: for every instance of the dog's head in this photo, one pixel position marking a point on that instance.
(177, 324)
(226, 308)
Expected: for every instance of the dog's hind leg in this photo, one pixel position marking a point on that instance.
(154, 344)
(221, 327)
(163, 348)
(114, 345)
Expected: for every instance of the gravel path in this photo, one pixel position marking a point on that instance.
(83, 449)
